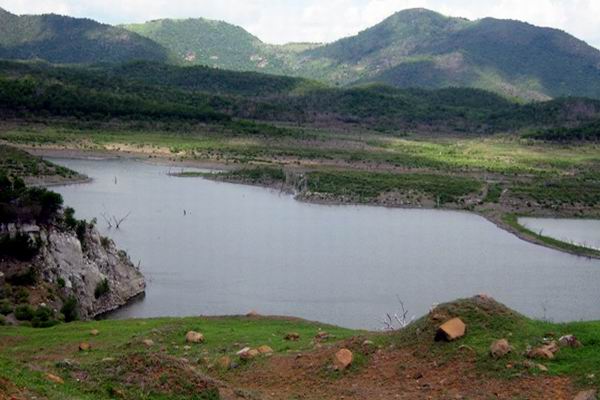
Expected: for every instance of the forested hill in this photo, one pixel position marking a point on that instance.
(61, 39)
(412, 48)
(153, 92)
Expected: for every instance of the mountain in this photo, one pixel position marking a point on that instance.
(422, 48)
(412, 48)
(60, 39)
(217, 44)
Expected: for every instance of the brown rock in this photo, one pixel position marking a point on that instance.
(540, 353)
(224, 362)
(587, 395)
(343, 359)
(500, 348)
(249, 355)
(84, 346)
(94, 332)
(55, 379)
(292, 336)
(542, 367)
(194, 337)
(264, 349)
(148, 342)
(451, 330)
(322, 335)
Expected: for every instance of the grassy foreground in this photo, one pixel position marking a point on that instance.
(121, 365)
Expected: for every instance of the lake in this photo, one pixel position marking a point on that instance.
(211, 248)
(583, 232)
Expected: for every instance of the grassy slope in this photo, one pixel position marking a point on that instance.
(26, 354)
(44, 347)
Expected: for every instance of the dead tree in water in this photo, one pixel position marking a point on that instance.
(113, 221)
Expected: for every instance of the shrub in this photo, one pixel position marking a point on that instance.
(61, 282)
(24, 312)
(101, 288)
(21, 295)
(69, 309)
(28, 278)
(5, 307)
(2, 320)
(69, 218)
(19, 247)
(43, 318)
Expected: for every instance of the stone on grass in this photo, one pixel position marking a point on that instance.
(94, 332)
(242, 351)
(148, 342)
(84, 346)
(544, 352)
(451, 330)
(292, 336)
(194, 337)
(569, 341)
(500, 348)
(264, 349)
(542, 367)
(587, 395)
(343, 359)
(55, 379)
(322, 335)
(249, 355)
(224, 362)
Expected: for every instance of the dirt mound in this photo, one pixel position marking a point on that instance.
(155, 374)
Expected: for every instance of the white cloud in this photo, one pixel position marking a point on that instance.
(279, 21)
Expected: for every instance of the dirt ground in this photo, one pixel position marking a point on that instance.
(389, 374)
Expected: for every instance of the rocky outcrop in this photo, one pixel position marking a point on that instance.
(85, 266)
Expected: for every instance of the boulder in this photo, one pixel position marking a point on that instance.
(322, 335)
(148, 342)
(94, 332)
(500, 348)
(242, 351)
(343, 359)
(249, 355)
(194, 337)
(544, 352)
(55, 379)
(264, 349)
(292, 336)
(569, 341)
(84, 346)
(587, 395)
(451, 330)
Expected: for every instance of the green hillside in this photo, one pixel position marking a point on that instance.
(60, 39)
(412, 48)
(213, 43)
(158, 92)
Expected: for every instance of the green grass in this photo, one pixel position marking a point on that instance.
(117, 354)
(512, 220)
(489, 321)
(366, 186)
(27, 353)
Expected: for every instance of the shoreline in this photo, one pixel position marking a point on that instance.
(498, 218)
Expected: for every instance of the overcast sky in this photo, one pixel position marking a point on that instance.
(280, 21)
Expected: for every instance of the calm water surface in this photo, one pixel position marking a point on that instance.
(239, 248)
(584, 232)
